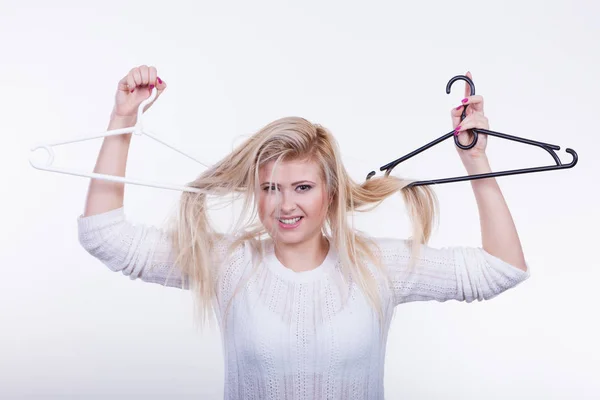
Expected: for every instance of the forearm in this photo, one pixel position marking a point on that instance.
(498, 232)
(105, 195)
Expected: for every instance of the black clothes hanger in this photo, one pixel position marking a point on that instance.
(546, 146)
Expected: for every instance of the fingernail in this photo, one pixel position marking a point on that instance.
(457, 128)
(159, 80)
(151, 87)
(132, 90)
(459, 107)
(465, 100)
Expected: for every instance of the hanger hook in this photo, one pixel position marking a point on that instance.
(49, 158)
(464, 113)
(140, 112)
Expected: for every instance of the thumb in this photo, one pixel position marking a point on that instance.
(467, 87)
(160, 86)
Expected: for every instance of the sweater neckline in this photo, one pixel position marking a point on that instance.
(286, 273)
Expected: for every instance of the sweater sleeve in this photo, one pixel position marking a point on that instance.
(452, 273)
(145, 252)
(138, 251)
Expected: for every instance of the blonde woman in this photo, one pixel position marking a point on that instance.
(303, 300)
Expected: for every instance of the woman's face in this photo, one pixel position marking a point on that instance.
(295, 207)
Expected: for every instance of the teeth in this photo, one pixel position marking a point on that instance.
(290, 221)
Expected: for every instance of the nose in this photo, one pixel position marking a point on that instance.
(288, 205)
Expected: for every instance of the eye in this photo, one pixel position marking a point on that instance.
(304, 188)
(269, 188)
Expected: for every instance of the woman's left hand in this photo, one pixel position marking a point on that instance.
(474, 119)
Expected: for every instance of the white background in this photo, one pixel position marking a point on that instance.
(375, 74)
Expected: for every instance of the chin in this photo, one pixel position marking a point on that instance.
(288, 237)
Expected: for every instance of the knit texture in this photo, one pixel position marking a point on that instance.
(289, 335)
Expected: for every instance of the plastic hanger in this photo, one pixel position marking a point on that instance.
(138, 129)
(546, 146)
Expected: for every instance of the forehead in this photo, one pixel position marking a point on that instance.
(290, 171)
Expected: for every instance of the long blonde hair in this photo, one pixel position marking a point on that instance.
(237, 174)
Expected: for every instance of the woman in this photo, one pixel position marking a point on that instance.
(303, 300)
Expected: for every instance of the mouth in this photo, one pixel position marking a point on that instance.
(290, 223)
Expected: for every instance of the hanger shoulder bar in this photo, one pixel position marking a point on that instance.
(502, 173)
(113, 178)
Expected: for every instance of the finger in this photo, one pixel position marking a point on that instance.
(123, 85)
(152, 76)
(131, 82)
(144, 75)
(137, 77)
(467, 87)
(155, 81)
(474, 121)
(476, 103)
(456, 112)
(463, 125)
(456, 115)
(475, 99)
(160, 84)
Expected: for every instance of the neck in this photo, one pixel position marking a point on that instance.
(303, 256)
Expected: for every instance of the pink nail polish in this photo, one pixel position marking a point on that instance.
(459, 107)
(159, 80)
(457, 128)
(132, 90)
(465, 100)
(151, 87)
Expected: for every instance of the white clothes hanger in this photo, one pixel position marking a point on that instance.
(138, 129)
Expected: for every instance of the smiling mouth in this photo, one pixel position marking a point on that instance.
(289, 221)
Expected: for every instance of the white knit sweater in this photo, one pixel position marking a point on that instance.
(286, 335)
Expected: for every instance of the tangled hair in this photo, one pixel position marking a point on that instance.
(291, 138)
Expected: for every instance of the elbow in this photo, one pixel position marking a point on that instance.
(522, 266)
(512, 257)
(105, 248)
(499, 276)
(485, 276)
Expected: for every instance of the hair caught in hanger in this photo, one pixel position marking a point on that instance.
(550, 148)
(137, 129)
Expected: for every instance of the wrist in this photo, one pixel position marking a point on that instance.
(121, 121)
(127, 119)
(477, 165)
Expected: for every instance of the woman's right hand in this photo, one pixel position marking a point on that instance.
(134, 88)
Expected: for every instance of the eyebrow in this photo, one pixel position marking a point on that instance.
(293, 183)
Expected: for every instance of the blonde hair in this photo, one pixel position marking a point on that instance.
(237, 174)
